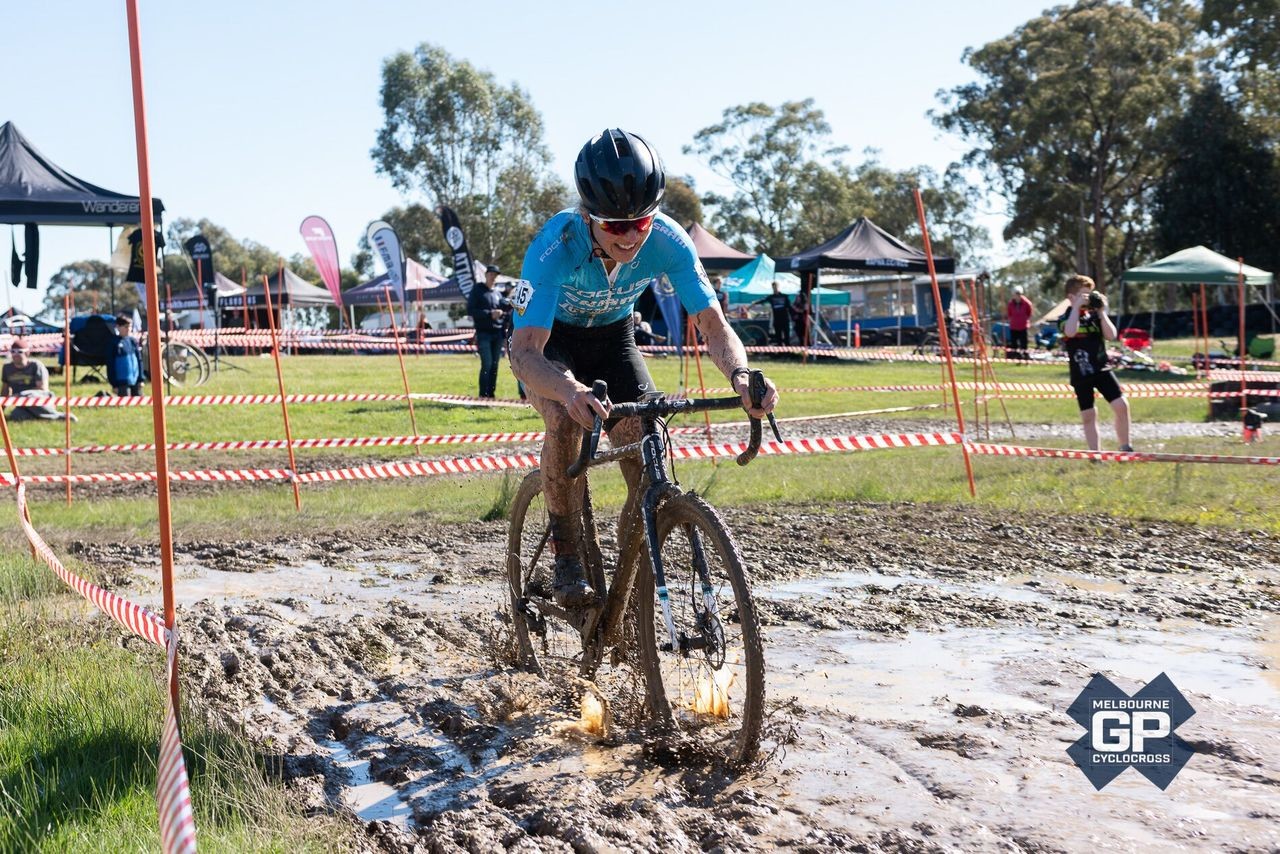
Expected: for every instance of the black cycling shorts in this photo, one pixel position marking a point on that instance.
(606, 353)
(1105, 383)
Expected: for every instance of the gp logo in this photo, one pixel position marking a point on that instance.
(1125, 731)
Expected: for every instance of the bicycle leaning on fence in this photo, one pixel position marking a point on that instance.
(699, 651)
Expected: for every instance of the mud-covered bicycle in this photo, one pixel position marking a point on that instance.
(700, 652)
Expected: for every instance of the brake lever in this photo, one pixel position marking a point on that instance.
(590, 440)
(758, 390)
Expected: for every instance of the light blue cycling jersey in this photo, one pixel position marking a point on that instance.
(564, 282)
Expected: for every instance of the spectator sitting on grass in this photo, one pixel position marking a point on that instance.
(645, 336)
(26, 377)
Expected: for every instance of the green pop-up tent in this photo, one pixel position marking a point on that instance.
(754, 280)
(1197, 265)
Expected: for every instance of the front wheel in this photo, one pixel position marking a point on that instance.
(709, 684)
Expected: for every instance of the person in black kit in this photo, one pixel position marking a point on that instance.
(781, 305)
(1085, 328)
(485, 307)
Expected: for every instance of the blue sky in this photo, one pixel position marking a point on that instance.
(261, 113)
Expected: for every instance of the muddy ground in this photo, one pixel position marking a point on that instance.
(920, 662)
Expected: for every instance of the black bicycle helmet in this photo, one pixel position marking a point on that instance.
(619, 176)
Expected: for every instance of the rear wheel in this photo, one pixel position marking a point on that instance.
(710, 687)
(547, 646)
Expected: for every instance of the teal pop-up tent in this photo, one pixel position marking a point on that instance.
(754, 280)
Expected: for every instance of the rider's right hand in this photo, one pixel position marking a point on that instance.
(584, 406)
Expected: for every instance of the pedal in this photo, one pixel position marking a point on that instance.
(536, 621)
(537, 588)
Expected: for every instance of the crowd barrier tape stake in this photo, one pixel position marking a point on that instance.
(173, 791)
(1118, 456)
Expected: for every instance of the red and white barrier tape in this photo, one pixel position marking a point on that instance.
(467, 400)
(173, 794)
(1117, 456)
(173, 790)
(199, 400)
(464, 465)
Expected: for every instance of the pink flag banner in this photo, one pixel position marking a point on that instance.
(324, 249)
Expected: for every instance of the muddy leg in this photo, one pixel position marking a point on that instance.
(559, 450)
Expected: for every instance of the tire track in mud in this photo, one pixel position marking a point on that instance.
(933, 652)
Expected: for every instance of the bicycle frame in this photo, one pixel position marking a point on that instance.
(652, 449)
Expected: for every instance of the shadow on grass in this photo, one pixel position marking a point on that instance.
(69, 780)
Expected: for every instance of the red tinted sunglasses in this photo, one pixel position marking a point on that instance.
(622, 227)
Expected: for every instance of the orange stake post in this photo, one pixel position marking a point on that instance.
(1244, 352)
(66, 382)
(200, 289)
(284, 407)
(702, 385)
(1195, 327)
(395, 333)
(159, 427)
(971, 299)
(1204, 326)
(945, 339)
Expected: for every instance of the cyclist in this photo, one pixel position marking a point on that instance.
(581, 279)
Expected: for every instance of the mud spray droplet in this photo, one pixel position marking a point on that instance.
(711, 695)
(592, 714)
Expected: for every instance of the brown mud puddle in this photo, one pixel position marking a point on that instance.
(920, 663)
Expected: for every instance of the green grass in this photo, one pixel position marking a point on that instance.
(80, 719)
(455, 374)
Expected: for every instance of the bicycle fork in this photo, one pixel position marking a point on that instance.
(655, 468)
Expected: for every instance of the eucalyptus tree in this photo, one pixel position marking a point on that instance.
(1070, 120)
(453, 135)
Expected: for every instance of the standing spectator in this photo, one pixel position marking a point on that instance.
(717, 285)
(1019, 312)
(781, 305)
(485, 307)
(124, 370)
(801, 311)
(1085, 327)
(26, 377)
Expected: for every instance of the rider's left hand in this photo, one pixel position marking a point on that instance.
(742, 385)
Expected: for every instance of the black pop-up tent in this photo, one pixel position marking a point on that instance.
(35, 191)
(864, 246)
(868, 247)
(296, 293)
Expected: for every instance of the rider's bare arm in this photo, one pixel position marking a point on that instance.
(545, 379)
(725, 349)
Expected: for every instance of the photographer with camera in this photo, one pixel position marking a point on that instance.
(1085, 328)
